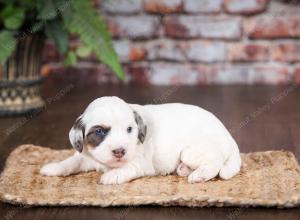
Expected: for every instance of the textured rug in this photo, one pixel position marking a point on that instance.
(270, 179)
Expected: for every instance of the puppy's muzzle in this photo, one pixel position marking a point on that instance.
(119, 153)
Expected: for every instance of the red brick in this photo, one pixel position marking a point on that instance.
(140, 26)
(164, 49)
(297, 75)
(249, 74)
(128, 51)
(273, 27)
(82, 73)
(137, 54)
(122, 48)
(50, 53)
(122, 6)
(96, 3)
(94, 74)
(174, 28)
(45, 70)
(163, 6)
(138, 74)
(206, 51)
(286, 51)
(248, 52)
(272, 74)
(245, 6)
(203, 6)
(164, 73)
(202, 26)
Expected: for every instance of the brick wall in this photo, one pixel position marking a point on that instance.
(194, 42)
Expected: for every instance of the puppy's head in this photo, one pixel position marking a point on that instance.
(110, 130)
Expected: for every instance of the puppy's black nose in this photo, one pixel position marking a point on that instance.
(119, 153)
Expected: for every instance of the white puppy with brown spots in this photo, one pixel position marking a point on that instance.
(128, 141)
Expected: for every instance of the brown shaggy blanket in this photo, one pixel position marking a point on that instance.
(269, 178)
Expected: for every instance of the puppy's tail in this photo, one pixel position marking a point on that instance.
(232, 166)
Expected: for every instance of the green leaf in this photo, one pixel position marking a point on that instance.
(83, 51)
(47, 10)
(7, 45)
(28, 4)
(13, 17)
(84, 21)
(37, 27)
(62, 5)
(70, 59)
(56, 32)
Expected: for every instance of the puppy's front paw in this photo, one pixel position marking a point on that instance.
(52, 169)
(114, 177)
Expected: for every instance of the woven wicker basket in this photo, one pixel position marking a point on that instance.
(20, 78)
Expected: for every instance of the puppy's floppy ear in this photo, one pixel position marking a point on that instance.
(141, 126)
(76, 134)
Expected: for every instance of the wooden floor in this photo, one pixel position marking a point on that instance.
(259, 117)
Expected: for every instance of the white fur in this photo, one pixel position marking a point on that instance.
(182, 138)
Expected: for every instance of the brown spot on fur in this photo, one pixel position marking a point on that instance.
(92, 139)
(141, 126)
(78, 125)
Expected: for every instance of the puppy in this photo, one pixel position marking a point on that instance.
(128, 141)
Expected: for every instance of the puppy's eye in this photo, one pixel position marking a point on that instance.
(129, 129)
(99, 132)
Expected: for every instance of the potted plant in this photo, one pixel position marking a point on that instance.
(24, 26)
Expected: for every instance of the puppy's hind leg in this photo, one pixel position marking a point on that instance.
(203, 173)
(231, 167)
(205, 164)
(183, 170)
